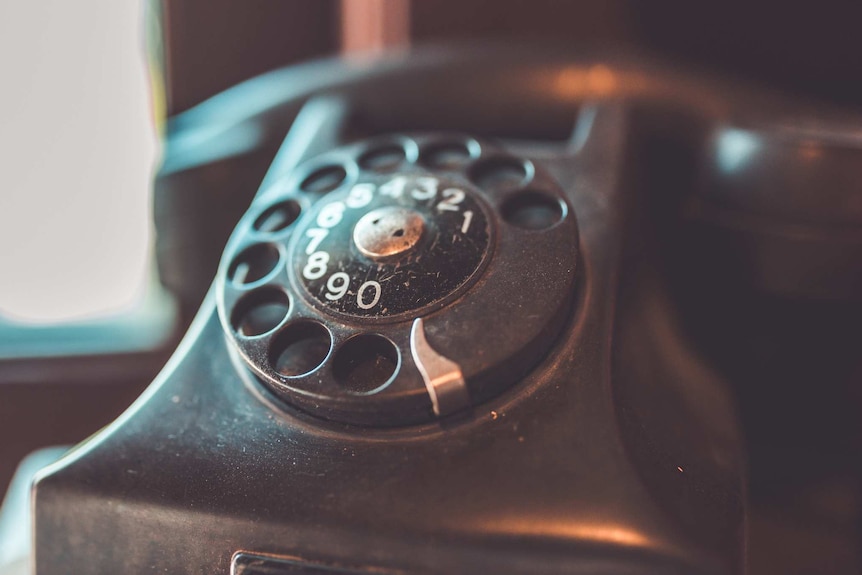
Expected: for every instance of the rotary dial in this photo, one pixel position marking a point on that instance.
(397, 280)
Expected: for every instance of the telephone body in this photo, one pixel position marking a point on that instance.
(465, 324)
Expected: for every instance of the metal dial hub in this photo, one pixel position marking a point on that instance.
(387, 232)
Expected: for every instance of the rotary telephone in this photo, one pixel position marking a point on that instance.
(484, 314)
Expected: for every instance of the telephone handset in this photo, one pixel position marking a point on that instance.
(444, 336)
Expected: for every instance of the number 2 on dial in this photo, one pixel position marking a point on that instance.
(451, 198)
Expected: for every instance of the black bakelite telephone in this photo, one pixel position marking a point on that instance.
(477, 318)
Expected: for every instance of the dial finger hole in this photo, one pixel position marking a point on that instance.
(384, 158)
(324, 179)
(253, 264)
(300, 349)
(499, 173)
(260, 312)
(446, 155)
(532, 210)
(365, 363)
(276, 218)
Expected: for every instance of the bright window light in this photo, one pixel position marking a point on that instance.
(77, 150)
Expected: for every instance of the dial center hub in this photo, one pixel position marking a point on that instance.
(389, 231)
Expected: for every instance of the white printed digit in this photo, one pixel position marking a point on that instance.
(316, 235)
(468, 218)
(330, 215)
(360, 295)
(337, 285)
(394, 187)
(360, 195)
(426, 188)
(315, 268)
(451, 198)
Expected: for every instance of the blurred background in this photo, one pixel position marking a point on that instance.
(88, 84)
(92, 302)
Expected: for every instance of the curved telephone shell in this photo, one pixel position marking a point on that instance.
(613, 447)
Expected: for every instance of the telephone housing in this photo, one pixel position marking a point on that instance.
(660, 223)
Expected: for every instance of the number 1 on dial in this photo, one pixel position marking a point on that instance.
(468, 219)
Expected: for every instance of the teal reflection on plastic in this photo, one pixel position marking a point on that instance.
(735, 148)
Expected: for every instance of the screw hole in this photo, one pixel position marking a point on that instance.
(260, 312)
(383, 159)
(300, 349)
(276, 218)
(447, 155)
(531, 210)
(365, 363)
(324, 180)
(253, 264)
(499, 173)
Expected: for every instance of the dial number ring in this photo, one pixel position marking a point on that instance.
(453, 243)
